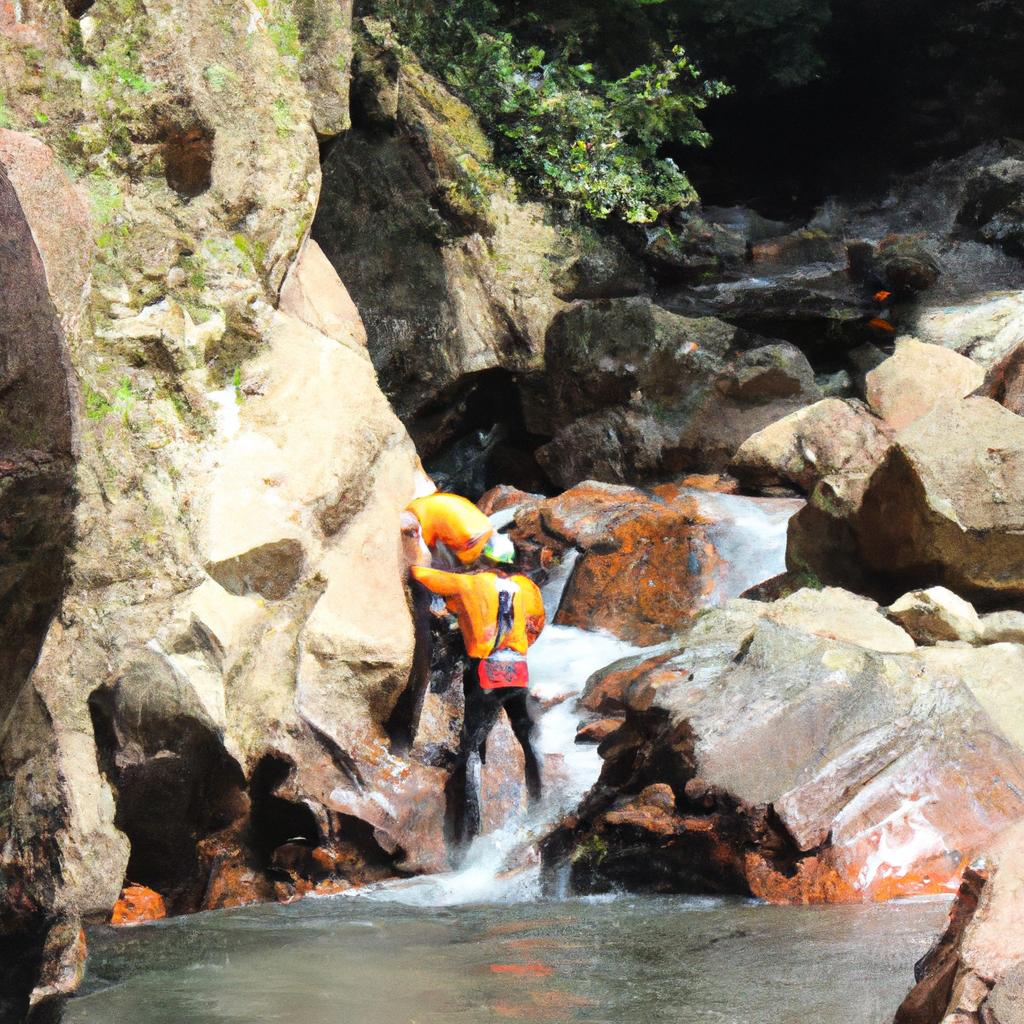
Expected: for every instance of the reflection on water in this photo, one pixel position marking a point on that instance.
(642, 959)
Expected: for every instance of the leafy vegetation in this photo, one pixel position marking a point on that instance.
(568, 127)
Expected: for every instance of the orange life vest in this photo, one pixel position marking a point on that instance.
(473, 598)
(455, 522)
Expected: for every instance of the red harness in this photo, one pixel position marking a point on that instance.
(496, 673)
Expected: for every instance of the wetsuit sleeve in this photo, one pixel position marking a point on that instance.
(447, 584)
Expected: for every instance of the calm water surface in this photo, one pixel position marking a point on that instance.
(631, 959)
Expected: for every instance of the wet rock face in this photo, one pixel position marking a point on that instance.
(974, 972)
(649, 561)
(35, 448)
(810, 753)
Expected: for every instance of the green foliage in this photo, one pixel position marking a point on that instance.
(236, 383)
(565, 127)
(6, 121)
(96, 406)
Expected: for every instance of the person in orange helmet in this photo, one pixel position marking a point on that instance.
(455, 531)
(499, 618)
(446, 531)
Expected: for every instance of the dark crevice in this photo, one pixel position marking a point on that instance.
(188, 159)
(479, 438)
(274, 820)
(174, 785)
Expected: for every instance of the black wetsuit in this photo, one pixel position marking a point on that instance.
(482, 708)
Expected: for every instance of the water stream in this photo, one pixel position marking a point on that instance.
(480, 944)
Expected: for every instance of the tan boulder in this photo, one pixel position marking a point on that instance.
(1003, 627)
(839, 615)
(829, 437)
(936, 614)
(916, 378)
(984, 329)
(946, 506)
(57, 210)
(314, 293)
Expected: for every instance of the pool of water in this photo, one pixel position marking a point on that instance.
(629, 959)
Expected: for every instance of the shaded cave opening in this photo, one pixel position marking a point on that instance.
(479, 438)
(174, 785)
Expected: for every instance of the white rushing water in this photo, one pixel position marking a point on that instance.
(503, 866)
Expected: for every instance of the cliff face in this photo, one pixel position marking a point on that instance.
(204, 620)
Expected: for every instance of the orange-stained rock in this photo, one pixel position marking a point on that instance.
(138, 904)
(605, 689)
(504, 496)
(597, 732)
(974, 974)
(233, 878)
(804, 767)
(719, 482)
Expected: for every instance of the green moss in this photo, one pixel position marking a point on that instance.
(6, 121)
(96, 406)
(254, 251)
(282, 117)
(593, 849)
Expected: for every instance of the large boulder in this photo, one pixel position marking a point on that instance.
(768, 753)
(454, 275)
(943, 507)
(827, 438)
(633, 391)
(650, 561)
(192, 480)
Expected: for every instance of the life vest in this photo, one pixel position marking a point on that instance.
(477, 600)
(453, 521)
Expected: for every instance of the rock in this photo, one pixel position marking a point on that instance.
(136, 905)
(974, 971)
(634, 389)
(829, 437)
(58, 213)
(918, 377)
(984, 329)
(313, 293)
(1004, 381)
(994, 203)
(803, 768)
(597, 354)
(650, 562)
(905, 264)
(936, 614)
(940, 509)
(455, 277)
(839, 615)
(597, 731)
(1002, 628)
(325, 34)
